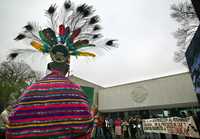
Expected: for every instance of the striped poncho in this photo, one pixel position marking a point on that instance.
(53, 108)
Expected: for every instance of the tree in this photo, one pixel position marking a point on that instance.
(13, 79)
(185, 15)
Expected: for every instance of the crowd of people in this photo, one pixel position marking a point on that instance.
(108, 128)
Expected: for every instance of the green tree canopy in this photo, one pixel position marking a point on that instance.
(13, 79)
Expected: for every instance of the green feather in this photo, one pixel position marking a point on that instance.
(84, 46)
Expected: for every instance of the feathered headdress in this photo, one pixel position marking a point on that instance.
(72, 29)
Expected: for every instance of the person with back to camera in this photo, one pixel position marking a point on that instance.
(54, 107)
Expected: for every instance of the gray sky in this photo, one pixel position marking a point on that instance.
(143, 28)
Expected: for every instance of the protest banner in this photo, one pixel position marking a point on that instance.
(174, 125)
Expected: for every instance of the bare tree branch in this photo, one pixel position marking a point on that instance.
(185, 15)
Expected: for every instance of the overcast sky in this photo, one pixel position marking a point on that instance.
(143, 29)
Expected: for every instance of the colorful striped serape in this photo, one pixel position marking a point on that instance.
(53, 108)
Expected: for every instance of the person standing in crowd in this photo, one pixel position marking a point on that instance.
(94, 113)
(106, 129)
(132, 127)
(125, 126)
(4, 115)
(4, 121)
(107, 123)
(139, 127)
(99, 127)
(112, 126)
(118, 129)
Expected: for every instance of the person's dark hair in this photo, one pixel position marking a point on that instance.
(62, 67)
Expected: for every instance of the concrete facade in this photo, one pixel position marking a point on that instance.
(82, 82)
(165, 92)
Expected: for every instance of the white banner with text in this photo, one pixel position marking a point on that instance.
(174, 125)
